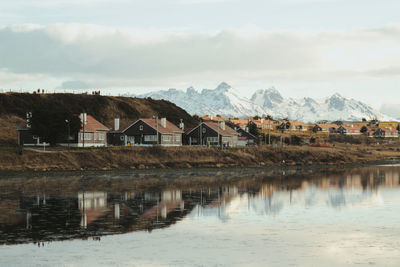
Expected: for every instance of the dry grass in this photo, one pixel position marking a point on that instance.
(8, 126)
(188, 157)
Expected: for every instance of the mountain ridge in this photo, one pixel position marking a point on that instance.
(227, 102)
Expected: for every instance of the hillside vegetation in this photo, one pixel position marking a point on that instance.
(13, 108)
(188, 157)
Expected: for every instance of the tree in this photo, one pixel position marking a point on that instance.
(269, 117)
(253, 129)
(52, 124)
(256, 117)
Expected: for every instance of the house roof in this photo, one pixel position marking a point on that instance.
(212, 118)
(238, 122)
(93, 125)
(298, 123)
(215, 126)
(169, 129)
(354, 127)
(388, 129)
(328, 125)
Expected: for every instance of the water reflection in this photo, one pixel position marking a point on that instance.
(41, 210)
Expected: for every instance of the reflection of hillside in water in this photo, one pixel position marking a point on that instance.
(92, 213)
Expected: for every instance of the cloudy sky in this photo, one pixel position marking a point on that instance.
(301, 47)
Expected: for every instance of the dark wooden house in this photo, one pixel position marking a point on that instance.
(146, 131)
(245, 138)
(212, 134)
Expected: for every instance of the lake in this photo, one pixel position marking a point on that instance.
(210, 217)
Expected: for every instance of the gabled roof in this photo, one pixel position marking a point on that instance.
(245, 132)
(354, 127)
(93, 125)
(169, 129)
(388, 129)
(215, 126)
(211, 118)
(328, 125)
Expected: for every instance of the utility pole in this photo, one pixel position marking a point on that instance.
(69, 134)
(200, 135)
(269, 135)
(156, 118)
(218, 132)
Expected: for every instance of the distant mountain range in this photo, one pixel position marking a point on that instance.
(225, 101)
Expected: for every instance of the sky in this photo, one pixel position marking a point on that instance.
(303, 48)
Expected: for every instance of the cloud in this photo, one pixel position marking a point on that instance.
(112, 57)
(74, 85)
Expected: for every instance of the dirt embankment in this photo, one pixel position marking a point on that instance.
(190, 157)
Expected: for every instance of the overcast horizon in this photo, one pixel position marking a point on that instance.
(303, 48)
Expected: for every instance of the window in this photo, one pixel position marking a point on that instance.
(177, 138)
(212, 139)
(94, 136)
(166, 138)
(225, 139)
(122, 138)
(150, 138)
(141, 127)
(204, 130)
(88, 136)
(101, 137)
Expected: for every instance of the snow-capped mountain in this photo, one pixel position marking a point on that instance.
(225, 101)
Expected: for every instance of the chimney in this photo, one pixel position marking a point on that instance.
(262, 120)
(247, 129)
(182, 126)
(222, 125)
(83, 117)
(116, 124)
(164, 122)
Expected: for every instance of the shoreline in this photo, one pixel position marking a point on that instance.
(166, 158)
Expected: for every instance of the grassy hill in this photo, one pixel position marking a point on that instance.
(13, 108)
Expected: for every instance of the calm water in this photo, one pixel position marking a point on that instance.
(241, 217)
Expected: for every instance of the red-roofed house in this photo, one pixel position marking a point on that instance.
(386, 132)
(93, 133)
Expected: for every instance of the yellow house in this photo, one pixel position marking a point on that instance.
(388, 124)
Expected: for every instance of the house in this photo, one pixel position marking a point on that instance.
(92, 133)
(245, 138)
(387, 132)
(240, 123)
(212, 118)
(264, 124)
(212, 134)
(328, 127)
(145, 131)
(298, 126)
(350, 130)
(25, 138)
(388, 124)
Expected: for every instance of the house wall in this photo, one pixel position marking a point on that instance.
(116, 139)
(209, 137)
(93, 138)
(174, 139)
(141, 133)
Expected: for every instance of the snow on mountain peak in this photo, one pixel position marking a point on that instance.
(225, 101)
(223, 87)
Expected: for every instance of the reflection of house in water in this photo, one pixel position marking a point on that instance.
(38, 218)
(93, 205)
(29, 218)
